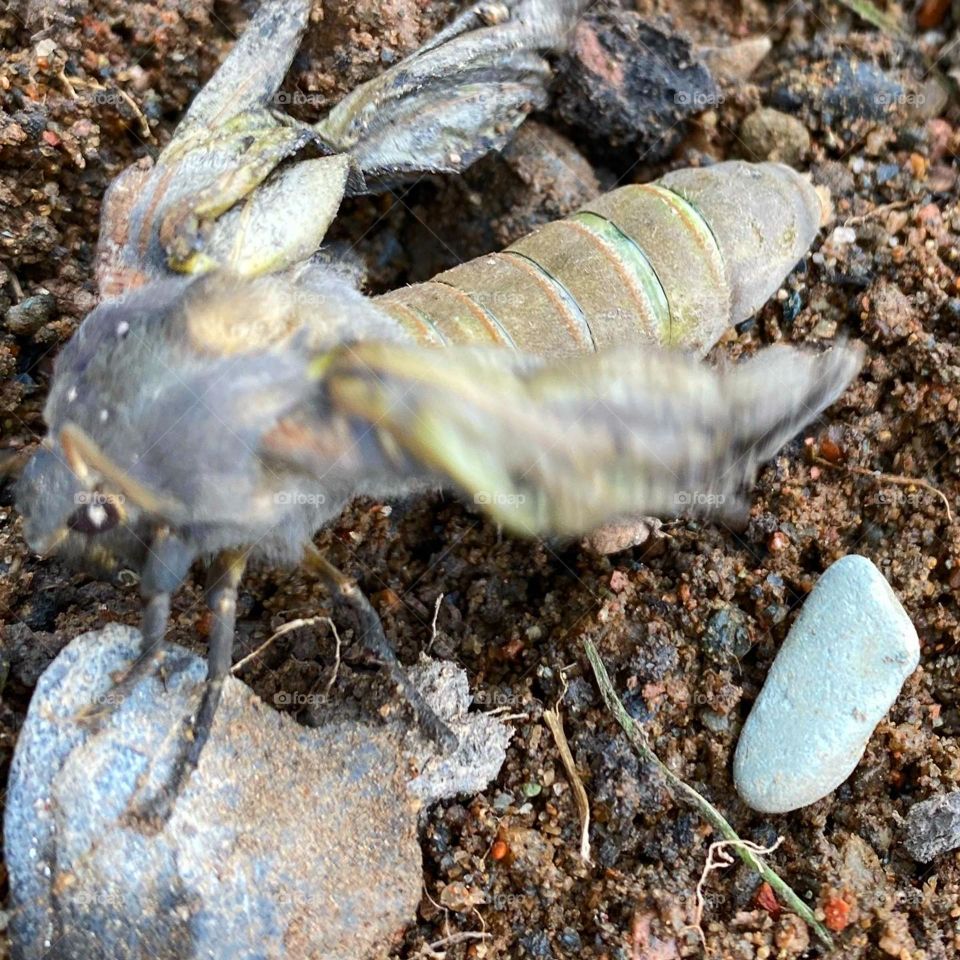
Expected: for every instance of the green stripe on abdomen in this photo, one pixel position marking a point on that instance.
(680, 248)
(639, 265)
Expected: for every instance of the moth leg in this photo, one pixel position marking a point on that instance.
(223, 579)
(165, 568)
(375, 640)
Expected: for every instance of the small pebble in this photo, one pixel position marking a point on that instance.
(715, 722)
(768, 134)
(727, 635)
(836, 912)
(887, 171)
(737, 61)
(830, 450)
(623, 534)
(625, 80)
(28, 316)
(843, 236)
(825, 329)
(933, 827)
(570, 940)
(931, 13)
(778, 541)
(836, 676)
(847, 88)
(792, 307)
(45, 48)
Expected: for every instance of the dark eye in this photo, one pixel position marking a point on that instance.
(97, 514)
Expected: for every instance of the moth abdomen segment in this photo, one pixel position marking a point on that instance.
(672, 263)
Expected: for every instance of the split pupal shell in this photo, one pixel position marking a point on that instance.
(672, 263)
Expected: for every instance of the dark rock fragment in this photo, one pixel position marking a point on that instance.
(626, 81)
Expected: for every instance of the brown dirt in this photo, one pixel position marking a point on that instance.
(515, 613)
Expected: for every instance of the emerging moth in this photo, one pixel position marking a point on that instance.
(230, 411)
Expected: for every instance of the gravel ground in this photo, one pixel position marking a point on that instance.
(688, 626)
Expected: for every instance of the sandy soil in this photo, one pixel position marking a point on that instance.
(689, 626)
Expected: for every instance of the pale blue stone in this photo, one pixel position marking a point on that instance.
(837, 674)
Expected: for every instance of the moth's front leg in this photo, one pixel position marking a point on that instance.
(166, 566)
(223, 580)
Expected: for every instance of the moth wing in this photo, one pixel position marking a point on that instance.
(455, 99)
(561, 447)
(254, 69)
(283, 221)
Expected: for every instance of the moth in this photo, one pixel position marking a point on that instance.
(232, 392)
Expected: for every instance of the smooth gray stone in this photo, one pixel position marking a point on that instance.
(837, 674)
(286, 843)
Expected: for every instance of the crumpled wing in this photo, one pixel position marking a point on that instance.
(243, 187)
(190, 208)
(252, 72)
(458, 97)
(560, 447)
(186, 212)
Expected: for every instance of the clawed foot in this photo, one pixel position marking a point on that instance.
(151, 811)
(93, 717)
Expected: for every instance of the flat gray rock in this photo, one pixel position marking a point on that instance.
(286, 843)
(835, 677)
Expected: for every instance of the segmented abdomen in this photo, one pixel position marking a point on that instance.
(673, 262)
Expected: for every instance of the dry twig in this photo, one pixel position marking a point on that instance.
(432, 950)
(555, 723)
(707, 810)
(286, 628)
(336, 659)
(719, 858)
(894, 478)
(71, 82)
(433, 625)
(875, 212)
